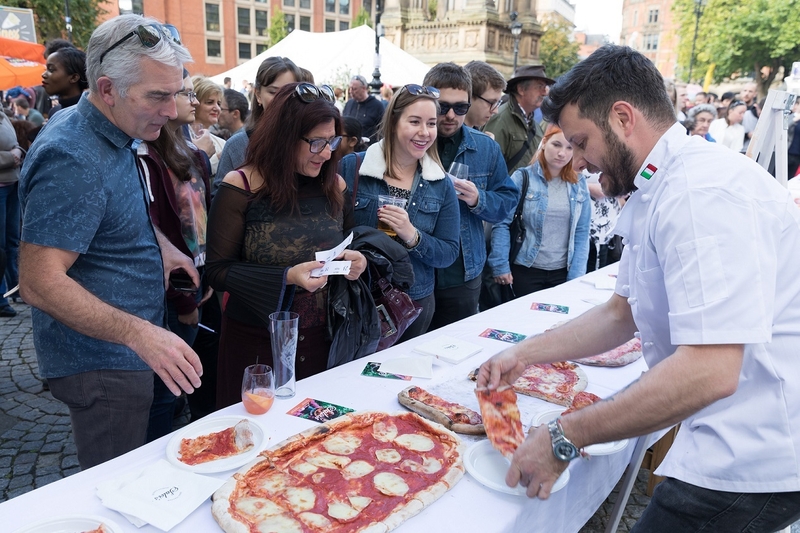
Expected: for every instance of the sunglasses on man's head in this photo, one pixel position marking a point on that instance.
(307, 93)
(149, 35)
(459, 109)
(419, 90)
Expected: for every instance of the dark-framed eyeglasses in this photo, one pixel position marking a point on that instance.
(420, 90)
(493, 104)
(459, 109)
(149, 35)
(318, 145)
(190, 95)
(307, 93)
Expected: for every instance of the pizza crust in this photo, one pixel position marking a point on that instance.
(437, 416)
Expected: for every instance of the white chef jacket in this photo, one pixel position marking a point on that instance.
(712, 257)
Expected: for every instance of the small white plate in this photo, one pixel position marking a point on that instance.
(212, 425)
(606, 448)
(489, 467)
(71, 524)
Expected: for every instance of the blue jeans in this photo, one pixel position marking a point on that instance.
(9, 237)
(680, 507)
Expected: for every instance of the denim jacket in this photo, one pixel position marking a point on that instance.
(432, 209)
(497, 196)
(533, 218)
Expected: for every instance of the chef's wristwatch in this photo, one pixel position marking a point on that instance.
(563, 449)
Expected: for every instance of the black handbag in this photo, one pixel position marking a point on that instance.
(517, 229)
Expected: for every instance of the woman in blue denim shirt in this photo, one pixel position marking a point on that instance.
(406, 164)
(556, 216)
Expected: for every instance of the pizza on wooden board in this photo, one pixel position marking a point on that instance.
(219, 445)
(451, 415)
(501, 418)
(556, 383)
(362, 472)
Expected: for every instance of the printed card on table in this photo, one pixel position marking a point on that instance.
(373, 370)
(505, 336)
(551, 308)
(318, 411)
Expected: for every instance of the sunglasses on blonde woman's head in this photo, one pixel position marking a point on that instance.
(420, 90)
(149, 35)
(307, 93)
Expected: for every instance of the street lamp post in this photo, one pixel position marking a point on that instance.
(376, 83)
(516, 31)
(699, 6)
(68, 20)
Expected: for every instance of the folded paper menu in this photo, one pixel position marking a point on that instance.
(448, 348)
(160, 495)
(419, 366)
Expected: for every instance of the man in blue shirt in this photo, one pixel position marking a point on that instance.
(488, 195)
(91, 263)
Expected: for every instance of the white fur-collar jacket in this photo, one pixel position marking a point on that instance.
(374, 164)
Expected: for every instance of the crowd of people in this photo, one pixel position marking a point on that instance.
(165, 217)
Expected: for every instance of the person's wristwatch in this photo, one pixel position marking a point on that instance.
(563, 449)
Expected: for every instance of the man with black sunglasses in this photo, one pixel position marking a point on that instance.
(92, 264)
(488, 194)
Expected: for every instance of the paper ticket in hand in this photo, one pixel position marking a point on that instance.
(332, 268)
(329, 255)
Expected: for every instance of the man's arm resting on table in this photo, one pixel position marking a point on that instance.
(596, 331)
(45, 285)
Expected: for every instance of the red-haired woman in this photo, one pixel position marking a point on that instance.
(556, 216)
(267, 220)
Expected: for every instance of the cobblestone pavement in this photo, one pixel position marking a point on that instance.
(36, 446)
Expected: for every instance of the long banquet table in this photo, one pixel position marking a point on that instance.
(469, 506)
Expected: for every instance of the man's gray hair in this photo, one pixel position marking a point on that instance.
(122, 65)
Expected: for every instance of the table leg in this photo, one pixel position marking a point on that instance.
(628, 478)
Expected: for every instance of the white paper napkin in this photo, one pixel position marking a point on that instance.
(160, 495)
(418, 367)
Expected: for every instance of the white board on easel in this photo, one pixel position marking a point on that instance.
(770, 136)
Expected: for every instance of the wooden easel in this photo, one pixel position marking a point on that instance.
(771, 133)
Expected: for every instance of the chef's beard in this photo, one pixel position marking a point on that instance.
(619, 167)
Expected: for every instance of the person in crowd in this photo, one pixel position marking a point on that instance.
(338, 93)
(233, 113)
(266, 222)
(699, 120)
(405, 164)
(749, 94)
(708, 234)
(514, 127)
(306, 76)
(793, 159)
(486, 195)
(556, 214)
(91, 263)
(226, 83)
(487, 91)
(749, 121)
(273, 73)
(178, 187)
(209, 94)
(723, 102)
(728, 130)
(65, 77)
(701, 98)
(681, 101)
(604, 247)
(24, 111)
(43, 104)
(11, 155)
(352, 139)
(365, 107)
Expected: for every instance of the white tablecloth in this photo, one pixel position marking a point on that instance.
(469, 506)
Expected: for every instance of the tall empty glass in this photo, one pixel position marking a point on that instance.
(283, 336)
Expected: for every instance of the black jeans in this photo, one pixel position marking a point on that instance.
(680, 507)
(528, 280)
(420, 325)
(455, 303)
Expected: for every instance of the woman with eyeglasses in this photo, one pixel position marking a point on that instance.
(406, 164)
(728, 130)
(267, 221)
(556, 215)
(178, 185)
(273, 73)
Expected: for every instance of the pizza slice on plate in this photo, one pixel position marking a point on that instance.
(620, 356)
(218, 445)
(501, 418)
(451, 415)
(581, 400)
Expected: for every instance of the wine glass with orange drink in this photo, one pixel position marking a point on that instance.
(258, 389)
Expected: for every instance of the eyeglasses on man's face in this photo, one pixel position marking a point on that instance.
(318, 145)
(493, 104)
(190, 95)
(149, 35)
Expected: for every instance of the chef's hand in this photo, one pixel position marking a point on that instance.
(502, 369)
(468, 192)
(534, 466)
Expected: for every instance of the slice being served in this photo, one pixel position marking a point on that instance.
(219, 445)
(451, 415)
(501, 419)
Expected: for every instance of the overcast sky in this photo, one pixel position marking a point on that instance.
(599, 16)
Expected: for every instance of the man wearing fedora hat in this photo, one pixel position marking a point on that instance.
(513, 126)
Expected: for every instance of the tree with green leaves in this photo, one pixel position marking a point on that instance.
(755, 38)
(278, 29)
(362, 18)
(49, 17)
(556, 51)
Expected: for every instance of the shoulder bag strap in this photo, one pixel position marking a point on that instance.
(525, 146)
(355, 179)
(523, 192)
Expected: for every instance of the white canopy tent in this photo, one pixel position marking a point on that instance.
(335, 57)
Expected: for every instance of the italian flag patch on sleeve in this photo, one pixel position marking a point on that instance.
(648, 171)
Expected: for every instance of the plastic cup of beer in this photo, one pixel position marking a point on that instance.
(384, 199)
(258, 389)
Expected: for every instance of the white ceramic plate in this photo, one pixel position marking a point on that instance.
(489, 467)
(211, 425)
(71, 524)
(606, 448)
